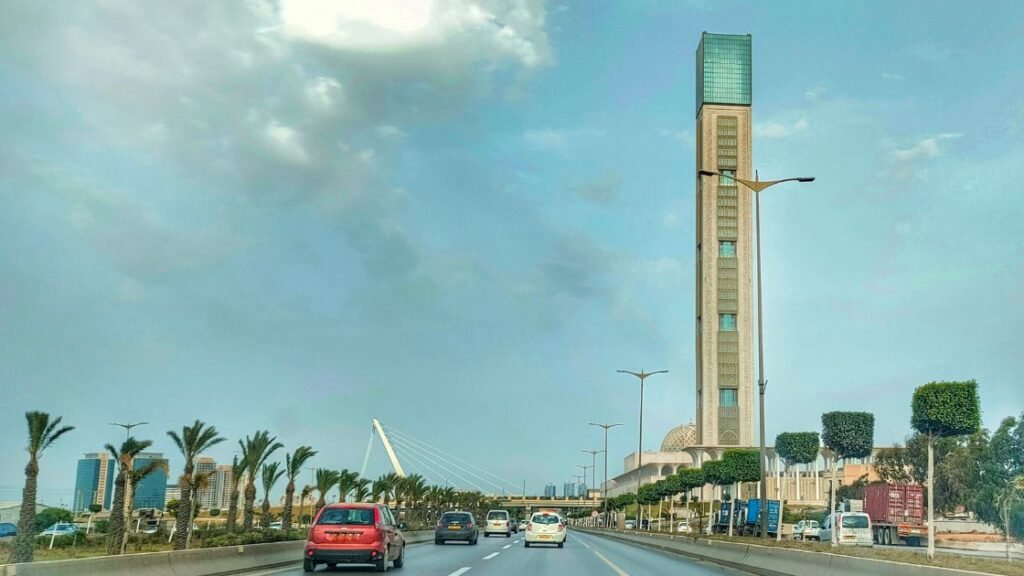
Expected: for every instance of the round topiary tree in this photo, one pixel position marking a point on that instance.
(718, 473)
(847, 435)
(942, 409)
(688, 480)
(743, 466)
(797, 448)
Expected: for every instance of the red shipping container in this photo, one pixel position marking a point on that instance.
(894, 503)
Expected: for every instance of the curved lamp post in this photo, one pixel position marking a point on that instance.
(757, 185)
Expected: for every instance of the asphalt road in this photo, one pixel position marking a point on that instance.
(583, 555)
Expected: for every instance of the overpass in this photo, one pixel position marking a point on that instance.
(531, 502)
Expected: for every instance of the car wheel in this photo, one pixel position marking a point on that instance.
(508, 534)
(438, 541)
(308, 565)
(400, 561)
(381, 565)
(526, 544)
(561, 544)
(472, 542)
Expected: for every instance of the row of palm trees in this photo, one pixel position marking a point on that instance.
(413, 494)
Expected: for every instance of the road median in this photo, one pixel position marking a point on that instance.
(777, 561)
(197, 562)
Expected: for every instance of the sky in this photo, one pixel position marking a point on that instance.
(463, 216)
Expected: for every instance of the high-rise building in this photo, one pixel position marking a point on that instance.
(724, 312)
(207, 467)
(569, 490)
(222, 484)
(94, 481)
(549, 491)
(151, 491)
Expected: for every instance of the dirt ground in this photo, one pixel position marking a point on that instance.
(969, 537)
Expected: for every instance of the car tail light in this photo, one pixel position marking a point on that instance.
(561, 527)
(529, 526)
(469, 524)
(439, 525)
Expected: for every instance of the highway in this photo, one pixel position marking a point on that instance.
(583, 555)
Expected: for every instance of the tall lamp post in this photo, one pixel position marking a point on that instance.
(604, 487)
(593, 463)
(640, 443)
(129, 469)
(584, 495)
(757, 185)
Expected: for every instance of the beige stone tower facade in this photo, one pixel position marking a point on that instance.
(724, 307)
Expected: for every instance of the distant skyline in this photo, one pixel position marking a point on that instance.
(464, 216)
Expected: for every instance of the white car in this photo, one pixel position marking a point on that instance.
(276, 525)
(854, 529)
(807, 530)
(683, 528)
(498, 522)
(545, 528)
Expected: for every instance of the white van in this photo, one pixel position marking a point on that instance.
(853, 528)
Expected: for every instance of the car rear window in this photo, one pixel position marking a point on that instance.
(545, 519)
(497, 515)
(855, 521)
(347, 516)
(455, 519)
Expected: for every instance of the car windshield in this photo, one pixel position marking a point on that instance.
(347, 516)
(545, 519)
(855, 521)
(455, 519)
(497, 515)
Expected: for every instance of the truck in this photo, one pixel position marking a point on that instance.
(721, 523)
(752, 519)
(896, 512)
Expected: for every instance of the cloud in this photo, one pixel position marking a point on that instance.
(434, 33)
(892, 76)
(816, 92)
(557, 140)
(685, 138)
(779, 130)
(906, 163)
(600, 190)
(670, 221)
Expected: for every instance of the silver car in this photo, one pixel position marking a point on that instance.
(459, 526)
(807, 530)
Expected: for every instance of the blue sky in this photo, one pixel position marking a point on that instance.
(459, 216)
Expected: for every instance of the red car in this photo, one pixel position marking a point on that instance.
(355, 533)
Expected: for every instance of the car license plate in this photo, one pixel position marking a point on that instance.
(454, 526)
(849, 537)
(545, 537)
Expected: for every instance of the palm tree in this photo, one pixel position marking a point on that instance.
(237, 469)
(325, 480)
(307, 491)
(271, 474)
(127, 476)
(347, 481)
(415, 491)
(361, 491)
(292, 467)
(255, 452)
(42, 432)
(384, 487)
(193, 441)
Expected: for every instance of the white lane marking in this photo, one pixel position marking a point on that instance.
(618, 571)
(506, 546)
(461, 571)
(491, 555)
(585, 545)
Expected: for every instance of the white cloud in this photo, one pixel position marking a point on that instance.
(385, 132)
(892, 76)
(286, 143)
(454, 30)
(546, 140)
(815, 92)
(779, 130)
(670, 221)
(907, 163)
(683, 137)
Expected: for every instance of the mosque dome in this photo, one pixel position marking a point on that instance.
(679, 438)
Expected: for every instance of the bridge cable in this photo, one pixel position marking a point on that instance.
(425, 446)
(455, 465)
(444, 465)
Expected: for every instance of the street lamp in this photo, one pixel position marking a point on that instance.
(640, 443)
(584, 466)
(129, 469)
(604, 487)
(593, 463)
(757, 185)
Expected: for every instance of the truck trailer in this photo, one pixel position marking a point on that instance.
(897, 513)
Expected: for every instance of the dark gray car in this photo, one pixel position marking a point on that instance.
(456, 526)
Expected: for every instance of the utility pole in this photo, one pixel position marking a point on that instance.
(604, 487)
(640, 443)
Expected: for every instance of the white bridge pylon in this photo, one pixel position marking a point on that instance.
(434, 464)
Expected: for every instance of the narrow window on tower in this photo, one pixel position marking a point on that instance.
(726, 178)
(727, 248)
(726, 322)
(727, 398)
